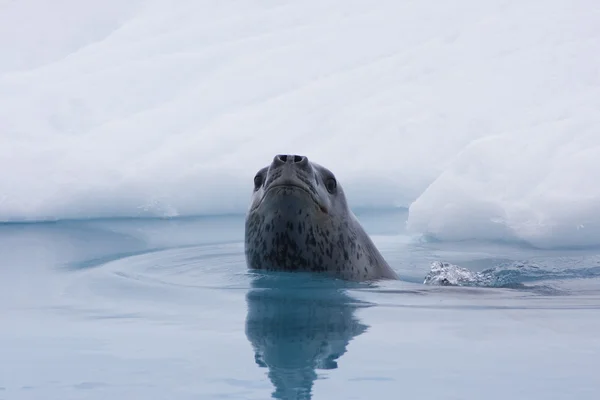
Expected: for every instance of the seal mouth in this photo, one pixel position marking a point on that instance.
(294, 187)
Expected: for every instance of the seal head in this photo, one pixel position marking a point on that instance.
(299, 220)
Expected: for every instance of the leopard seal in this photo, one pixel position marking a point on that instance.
(299, 220)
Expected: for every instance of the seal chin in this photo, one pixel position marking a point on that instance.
(277, 191)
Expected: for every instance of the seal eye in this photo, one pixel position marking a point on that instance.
(331, 185)
(258, 181)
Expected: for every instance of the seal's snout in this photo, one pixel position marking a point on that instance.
(291, 170)
(293, 159)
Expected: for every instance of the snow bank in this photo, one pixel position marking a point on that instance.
(537, 186)
(165, 108)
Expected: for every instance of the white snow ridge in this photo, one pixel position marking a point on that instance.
(482, 117)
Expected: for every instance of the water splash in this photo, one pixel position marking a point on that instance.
(515, 274)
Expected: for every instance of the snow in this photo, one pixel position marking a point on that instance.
(480, 116)
(538, 187)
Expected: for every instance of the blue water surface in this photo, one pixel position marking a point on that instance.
(166, 309)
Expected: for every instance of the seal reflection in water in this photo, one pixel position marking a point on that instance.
(297, 325)
(299, 220)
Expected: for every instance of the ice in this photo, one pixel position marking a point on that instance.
(536, 187)
(480, 117)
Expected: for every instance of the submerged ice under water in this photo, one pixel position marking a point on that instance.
(167, 309)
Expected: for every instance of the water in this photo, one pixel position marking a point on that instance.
(161, 308)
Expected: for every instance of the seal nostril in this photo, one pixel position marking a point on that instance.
(281, 159)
